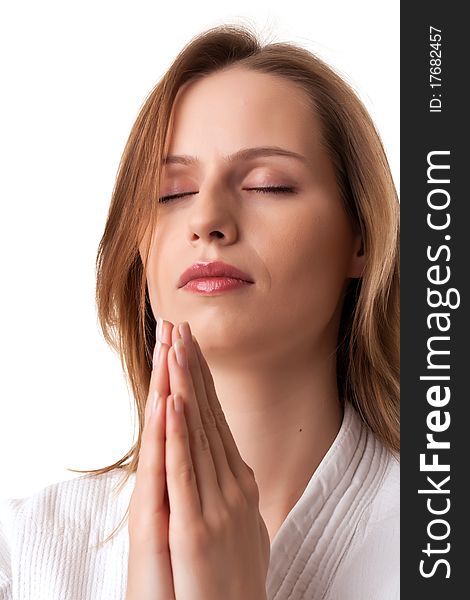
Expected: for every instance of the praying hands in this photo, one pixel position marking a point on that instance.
(195, 531)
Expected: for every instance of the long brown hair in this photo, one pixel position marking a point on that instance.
(368, 344)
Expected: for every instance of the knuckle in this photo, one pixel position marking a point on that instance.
(207, 417)
(249, 469)
(180, 436)
(199, 438)
(219, 417)
(150, 468)
(237, 500)
(185, 473)
(220, 521)
(199, 540)
(142, 529)
(251, 487)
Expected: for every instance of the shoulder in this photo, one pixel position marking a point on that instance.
(41, 536)
(385, 505)
(78, 505)
(371, 563)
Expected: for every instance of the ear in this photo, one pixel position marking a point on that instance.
(358, 258)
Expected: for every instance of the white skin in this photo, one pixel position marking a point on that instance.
(270, 346)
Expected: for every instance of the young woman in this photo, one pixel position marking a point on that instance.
(255, 218)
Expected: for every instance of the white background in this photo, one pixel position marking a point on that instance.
(73, 78)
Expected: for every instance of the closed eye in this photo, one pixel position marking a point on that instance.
(164, 199)
(262, 190)
(282, 189)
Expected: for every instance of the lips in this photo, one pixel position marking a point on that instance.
(212, 269)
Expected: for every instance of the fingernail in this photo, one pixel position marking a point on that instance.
(180, 352)
(152, 405)
(185, 333)
(156, 353)
(160, 329)
(178, 403)
(156, 401)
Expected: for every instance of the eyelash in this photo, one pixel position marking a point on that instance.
(263, 190)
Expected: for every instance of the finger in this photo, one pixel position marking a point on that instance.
(237, 465)
(181, 383)
(224, 474)
(175, 334)
(164, 330)
(149, 563)
(150, 487)
(150, 474)
(183, 493)
(159, 377)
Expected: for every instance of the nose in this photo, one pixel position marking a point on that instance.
(213, 215)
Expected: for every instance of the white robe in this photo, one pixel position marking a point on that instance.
(339, 542)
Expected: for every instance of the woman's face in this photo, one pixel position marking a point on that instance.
(298, 247)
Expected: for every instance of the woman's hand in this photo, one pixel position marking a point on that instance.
(218, 541)
(149, 566)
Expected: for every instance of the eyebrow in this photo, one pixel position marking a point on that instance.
(243, 154)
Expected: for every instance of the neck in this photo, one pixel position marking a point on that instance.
(284, 416)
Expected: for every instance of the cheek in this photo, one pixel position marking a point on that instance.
(161, 273)
(308, 263)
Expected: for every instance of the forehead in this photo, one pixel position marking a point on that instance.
(237, 108)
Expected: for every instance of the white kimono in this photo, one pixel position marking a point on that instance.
(339, 542)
